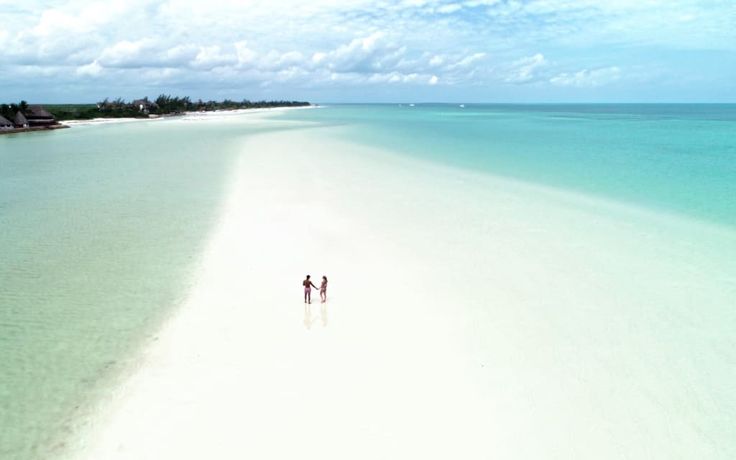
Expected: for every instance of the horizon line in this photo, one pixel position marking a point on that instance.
(466, 102)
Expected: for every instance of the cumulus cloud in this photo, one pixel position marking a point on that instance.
(523, 70)
(449, 8)
(179, 55)
(92, 69)
(209, 57)
(436, 61)
(466, 61)
(246, 56)
(587, 78)
(126, 54)
(349, 43)
(360, 55)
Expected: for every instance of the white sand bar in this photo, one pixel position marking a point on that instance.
(469, 317)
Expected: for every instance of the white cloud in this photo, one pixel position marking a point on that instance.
(372, 54)
(467, 61)
(160, 75)
(291, 58)
(246, 56)
(213, 56)
(360, 54)
(588, 78)
(449, 8)
(474, 3)
(178, 55)
(92, 69)
(436, 61)
(348, 43)
(318, 57)
(523, 70)
(126, 54)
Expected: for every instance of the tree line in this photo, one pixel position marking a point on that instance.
(142, 108)
(9, 110)
(166, 104)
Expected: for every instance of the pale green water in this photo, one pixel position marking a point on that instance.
(101, 226)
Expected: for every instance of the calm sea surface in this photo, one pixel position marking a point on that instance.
(677, 158)
(101, 226)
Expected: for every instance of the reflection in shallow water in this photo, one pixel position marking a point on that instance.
(308, 316)
(309, 320)
(323, 314)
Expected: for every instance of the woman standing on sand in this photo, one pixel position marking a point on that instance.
(323, 290)
(308, 285)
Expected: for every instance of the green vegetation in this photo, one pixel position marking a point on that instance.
(142, 108)
(162, 105)
(77, 111)
(9, 110)
(165, 104)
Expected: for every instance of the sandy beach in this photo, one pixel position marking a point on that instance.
(526, 211)
(467, 318)
(189, 116)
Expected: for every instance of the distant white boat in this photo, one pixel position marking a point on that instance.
(462, 106)
(411, 105)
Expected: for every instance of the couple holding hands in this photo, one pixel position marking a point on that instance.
(308, 285)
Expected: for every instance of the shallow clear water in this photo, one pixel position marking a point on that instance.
(101, 226)
(672, 157)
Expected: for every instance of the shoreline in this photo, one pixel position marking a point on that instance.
(187, 115)
(35, 129)
(240, 367)
(64, 124)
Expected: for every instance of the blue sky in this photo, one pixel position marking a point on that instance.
(370, 50)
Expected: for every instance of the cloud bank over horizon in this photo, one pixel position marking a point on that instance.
(363, 51)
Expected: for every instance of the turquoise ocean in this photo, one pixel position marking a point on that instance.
(678, 158)
(101, 226)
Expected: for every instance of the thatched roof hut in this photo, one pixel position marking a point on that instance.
(38, 116)
(5, 123)
(20, 120)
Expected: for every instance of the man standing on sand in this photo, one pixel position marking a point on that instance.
(308, 285)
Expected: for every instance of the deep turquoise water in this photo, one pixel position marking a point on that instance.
(101, 226)
(677, 158)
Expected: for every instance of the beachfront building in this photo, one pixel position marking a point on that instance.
(38, 116)
(20, 120)
(144, 105)
(5, 124)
